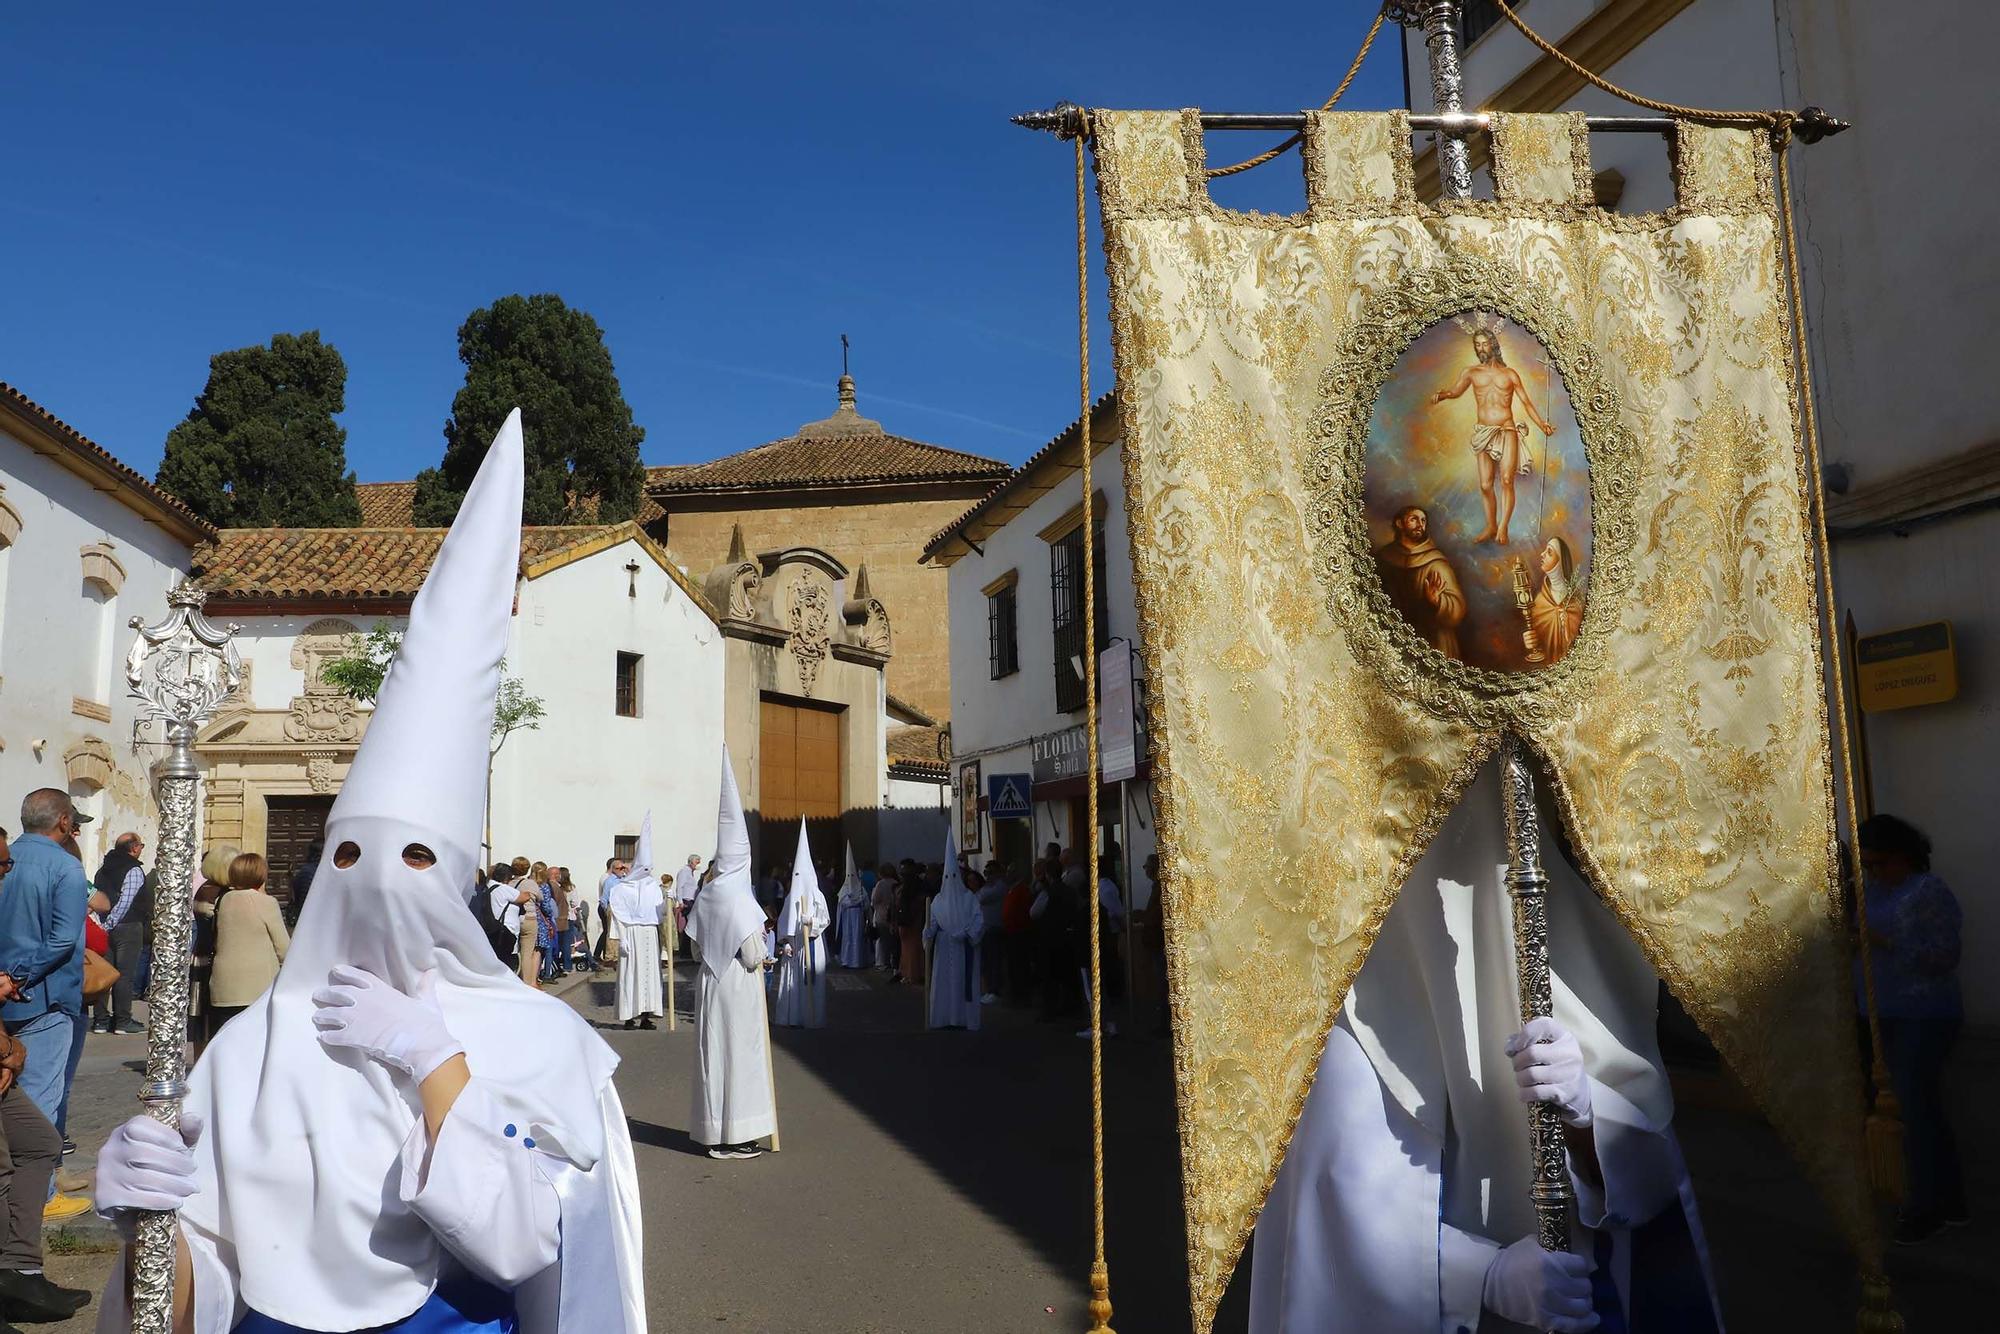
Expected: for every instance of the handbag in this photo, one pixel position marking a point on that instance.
(98, 974)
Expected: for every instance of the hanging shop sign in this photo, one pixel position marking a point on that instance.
(1117, 737)
(1901, 669)
(1060, 755)
(1010, 797)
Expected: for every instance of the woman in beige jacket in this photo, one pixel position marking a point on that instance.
(250, 939)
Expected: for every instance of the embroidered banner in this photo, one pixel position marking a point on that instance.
(1403, 477)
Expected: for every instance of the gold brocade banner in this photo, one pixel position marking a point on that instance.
(1403, 477)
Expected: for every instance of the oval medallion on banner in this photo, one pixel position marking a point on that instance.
(1477, 495)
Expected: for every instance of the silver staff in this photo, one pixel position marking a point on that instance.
(180, 670)
(1530, 890)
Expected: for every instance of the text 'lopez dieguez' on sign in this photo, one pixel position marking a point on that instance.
(1900, 669)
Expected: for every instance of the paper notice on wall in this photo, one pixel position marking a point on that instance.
(1117, 748)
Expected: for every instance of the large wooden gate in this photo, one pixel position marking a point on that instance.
(798, 773)
(294, 822)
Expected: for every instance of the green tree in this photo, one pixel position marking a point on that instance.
(535, 353)
(359, 672)
(260, 448)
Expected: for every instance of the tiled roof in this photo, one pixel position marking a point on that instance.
(103, 461)
(386, 504)
(282, 565)
(913, 745)
(845, 449)
(829, 461)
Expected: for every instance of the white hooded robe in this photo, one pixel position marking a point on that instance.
(320, 1199)
(952, 936)
(851, 918)
(802, 925)
(637, 908)
(733, 1099)
(1409, 1167)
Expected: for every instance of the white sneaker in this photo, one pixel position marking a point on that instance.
(747, 1151)
(717, 1151)
(989, 999)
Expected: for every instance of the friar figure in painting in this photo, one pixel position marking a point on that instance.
(1496, 439)
(1421, 582)
(1557, 611)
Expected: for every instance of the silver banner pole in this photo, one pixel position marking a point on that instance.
(180, 670)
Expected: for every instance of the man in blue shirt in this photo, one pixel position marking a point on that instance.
(41, 944)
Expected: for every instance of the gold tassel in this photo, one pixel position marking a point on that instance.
(1884, 1129)
(1878, 1309)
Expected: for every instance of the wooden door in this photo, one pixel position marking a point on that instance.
(294, 822)
(798, 774)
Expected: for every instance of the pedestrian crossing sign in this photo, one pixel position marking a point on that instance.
(1007, 797)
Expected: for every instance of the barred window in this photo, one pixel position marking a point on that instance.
(1478, 17)
(627, 702)
(1003, 651)
(1066, 589)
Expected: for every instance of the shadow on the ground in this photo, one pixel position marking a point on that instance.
(1004, 1114)
(657, 1136)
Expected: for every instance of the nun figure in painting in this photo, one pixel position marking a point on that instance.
(1403, 1202)
(363, 1147)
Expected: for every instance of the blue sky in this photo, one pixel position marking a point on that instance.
(727, 192)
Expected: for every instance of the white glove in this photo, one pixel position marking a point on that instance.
(360, 1011)
(1548, 1067)
(1540, 1289)
(145, 1166)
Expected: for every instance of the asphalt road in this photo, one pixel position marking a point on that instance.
(940, 1182)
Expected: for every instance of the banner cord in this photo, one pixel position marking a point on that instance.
(1353, 68)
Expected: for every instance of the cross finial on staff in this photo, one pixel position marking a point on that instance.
(843, 354)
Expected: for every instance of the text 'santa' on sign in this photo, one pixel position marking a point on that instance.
(1900, 669)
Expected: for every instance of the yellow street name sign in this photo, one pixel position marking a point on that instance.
(1900, 669)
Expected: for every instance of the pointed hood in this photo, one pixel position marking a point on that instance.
(725, 913)
(636, 900)
(805, 905)
(300, 1137)
(954, 909)
(852, 891)
(423, 759)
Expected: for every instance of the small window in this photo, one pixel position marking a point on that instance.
(1072, 641)
(625, 846)
(1003, 651)
(628, 685)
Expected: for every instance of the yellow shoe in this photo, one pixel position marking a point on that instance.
(63, 1207)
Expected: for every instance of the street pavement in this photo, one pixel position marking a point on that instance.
(941, 1182)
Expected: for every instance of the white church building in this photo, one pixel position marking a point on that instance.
(644, 670)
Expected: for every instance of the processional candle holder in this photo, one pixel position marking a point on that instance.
(180, 670)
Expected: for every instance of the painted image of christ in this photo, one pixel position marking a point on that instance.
(1496, 436)
(1485, 565)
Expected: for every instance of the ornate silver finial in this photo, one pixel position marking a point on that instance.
(1065, 120)
(182, 668)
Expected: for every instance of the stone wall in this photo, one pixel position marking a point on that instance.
(887, 534)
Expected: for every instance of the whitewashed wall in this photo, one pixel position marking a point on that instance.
(61, 640)
(563, 792)
(995, 720)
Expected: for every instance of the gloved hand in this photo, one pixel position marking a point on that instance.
(360, 1011)
(145, 1166)
(1548, 1067)
(1540, 1289)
